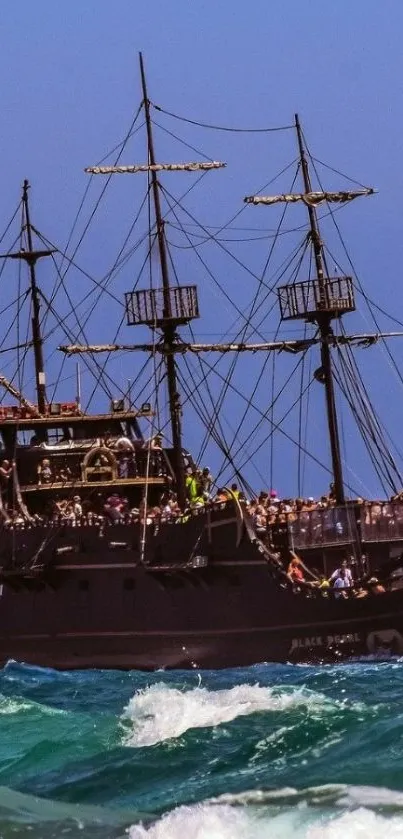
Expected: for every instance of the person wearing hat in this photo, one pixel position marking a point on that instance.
(113, 507)
(375, 586)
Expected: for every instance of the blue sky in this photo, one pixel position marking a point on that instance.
(70, 85)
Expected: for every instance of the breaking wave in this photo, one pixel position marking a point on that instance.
(268, 751)
(159, 712)
(10, 706)
(209, 821)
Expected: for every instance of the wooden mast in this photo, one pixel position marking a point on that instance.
(324, 322)
(31, 258)
(168, 328)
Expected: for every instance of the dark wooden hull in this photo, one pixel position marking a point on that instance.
(90, 603)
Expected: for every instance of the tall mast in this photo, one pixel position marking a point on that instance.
(36, 326)
(324, 322)
(168, 328)
(31, 256)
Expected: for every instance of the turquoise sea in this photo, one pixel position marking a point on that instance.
(263, 752)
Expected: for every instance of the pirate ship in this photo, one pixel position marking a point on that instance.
(104, 560)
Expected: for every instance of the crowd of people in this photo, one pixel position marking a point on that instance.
(269, 509)
(130, 459)
(267, 512)
(340, 584)
(98, 508)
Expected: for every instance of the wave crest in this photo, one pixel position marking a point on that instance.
(209, 821)
(160, 712)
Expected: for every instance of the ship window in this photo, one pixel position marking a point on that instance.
(128, 584)
(83, 585)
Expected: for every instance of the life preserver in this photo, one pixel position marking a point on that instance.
(90, 464)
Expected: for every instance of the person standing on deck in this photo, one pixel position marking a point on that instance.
(337, 573)
(341, 584)
(192, 486)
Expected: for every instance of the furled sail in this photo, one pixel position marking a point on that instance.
(296, 345)
(10, 388)
(312, 199)
(154, 167)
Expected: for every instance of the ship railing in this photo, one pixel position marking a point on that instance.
(326, 527)
(101, 520)
(381, 521)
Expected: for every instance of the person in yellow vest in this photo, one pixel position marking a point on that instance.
(192, 486)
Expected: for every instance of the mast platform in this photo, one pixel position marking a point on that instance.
(161, 306)
(310, 299)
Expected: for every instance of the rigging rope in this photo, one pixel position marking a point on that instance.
(277, 425)
(215, 406)
(221, 127)
(183, 142)
(337, 171)
(373, 422)
(362, 291)
(121, 148)
(364, 432)
(218, 404)
(265, 415)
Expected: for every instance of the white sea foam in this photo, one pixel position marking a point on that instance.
(160, 712)
(13, 706)
(358, 824)
(327, 795)
(208, 821)
(19, 705)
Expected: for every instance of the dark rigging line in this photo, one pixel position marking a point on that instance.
(183, 142)
(216, 407)
(215, 418)
(243, 207)
(218, 441)
(360, 286)
(104, 188)
(369, 412)
(220, 127)
(337, 172)
(252, 310)
(277, 425)
(252, 433)
(370, 417)
(102, 285)
(301, 390)
(89, 182)
(376, 465)
(271, 432)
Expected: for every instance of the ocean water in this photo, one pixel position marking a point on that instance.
(265, 752)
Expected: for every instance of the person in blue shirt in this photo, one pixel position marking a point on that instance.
(337, 572)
